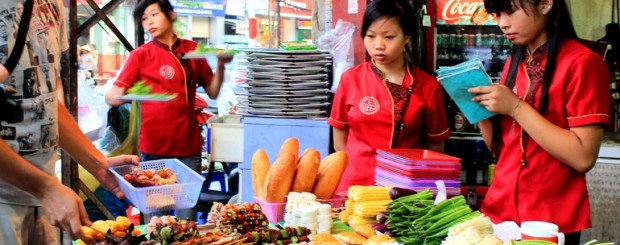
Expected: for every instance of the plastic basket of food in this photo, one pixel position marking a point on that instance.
(159, 185)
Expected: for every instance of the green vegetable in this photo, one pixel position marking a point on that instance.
(140, 88)
(165, 233)
(204, 49)
(414, 219)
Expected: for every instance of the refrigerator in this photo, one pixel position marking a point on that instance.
(456, 31)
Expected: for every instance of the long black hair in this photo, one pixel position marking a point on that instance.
(400, 10)
(559, 28)
(164, 6)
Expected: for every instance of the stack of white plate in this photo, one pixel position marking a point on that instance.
(285, 84)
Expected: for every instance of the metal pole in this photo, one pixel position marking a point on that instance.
(270, 23)
(279, 19)
(69, 169)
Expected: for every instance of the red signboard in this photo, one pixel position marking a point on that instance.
(463, 12)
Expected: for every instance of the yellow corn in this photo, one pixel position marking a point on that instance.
(368, 193)
(370, 209)
(344, 216)
(348, 205)
(358, 220)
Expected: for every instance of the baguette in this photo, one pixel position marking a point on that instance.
(331, 169)
(307, 169)
(260, 167)
(280, 177)
(306, 151)
(290, 145)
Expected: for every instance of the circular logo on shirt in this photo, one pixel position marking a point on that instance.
(369, 105)
(167, 72)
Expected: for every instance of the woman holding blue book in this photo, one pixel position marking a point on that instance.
(386, 102)
(553, 105)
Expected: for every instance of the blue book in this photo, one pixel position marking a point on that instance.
(457, 79)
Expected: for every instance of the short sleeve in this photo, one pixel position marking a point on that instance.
(436, 120)
(339, 114)
(130, 72)
(587, 92)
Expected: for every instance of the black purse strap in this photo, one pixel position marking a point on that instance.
(20, 41)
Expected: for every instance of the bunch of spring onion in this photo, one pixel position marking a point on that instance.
(415, 219)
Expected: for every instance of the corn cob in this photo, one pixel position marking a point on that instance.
(359, 193)
(358, 220)
(370, 209)
(344, 216)
(348, 205)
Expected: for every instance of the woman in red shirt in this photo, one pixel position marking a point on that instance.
(553, 105)
(167, 129)
(385, 103)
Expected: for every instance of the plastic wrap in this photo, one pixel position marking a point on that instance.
(339, 43)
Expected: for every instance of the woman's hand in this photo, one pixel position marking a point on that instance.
(223, 59)
(495, 98)
(106, 178)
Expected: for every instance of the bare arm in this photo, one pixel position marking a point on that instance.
(577, 147)
(112, 95)
(56, 202)
(63, 206)
(213, 89)
(340, 138)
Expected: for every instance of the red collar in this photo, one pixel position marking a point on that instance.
(407, 80)
(175, 45)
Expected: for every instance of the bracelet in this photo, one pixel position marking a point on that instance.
(512, 114)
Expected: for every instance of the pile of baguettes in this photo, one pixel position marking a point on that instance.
(293, 173)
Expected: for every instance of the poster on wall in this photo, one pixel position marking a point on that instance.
(463, 12)
(209, 8)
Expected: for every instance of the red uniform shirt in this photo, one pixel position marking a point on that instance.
(167, 128)
(364, 106)
(546, 189)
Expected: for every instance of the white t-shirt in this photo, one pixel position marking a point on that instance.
(33, 133)
(86, 61)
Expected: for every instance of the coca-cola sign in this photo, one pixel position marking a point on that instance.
(460, 12)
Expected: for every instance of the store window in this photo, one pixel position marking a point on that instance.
(236, 31)
(200, 29)
(304, 30)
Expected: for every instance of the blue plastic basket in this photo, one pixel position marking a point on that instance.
(185, 193)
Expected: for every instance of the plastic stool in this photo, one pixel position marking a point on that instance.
(218, 176)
